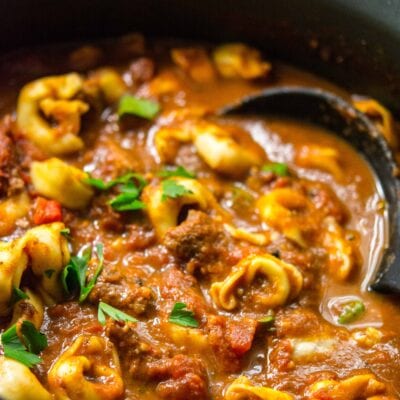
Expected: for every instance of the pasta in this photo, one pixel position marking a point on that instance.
(53, 96)
(285, 282)
(68, 378)
(62, 182)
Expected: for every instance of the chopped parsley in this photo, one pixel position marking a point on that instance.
(17, 295)
(351, 312)
(178, 171)
(74, 274)
(105, 309)
(172, 189)
(180, 315)
(24, 349)
(133, 105)
(131, 187)
(65, 232)
(276, 168)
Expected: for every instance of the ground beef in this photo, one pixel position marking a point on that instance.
(10, 180)
(122, 291)
(199, 243)
(180, 377)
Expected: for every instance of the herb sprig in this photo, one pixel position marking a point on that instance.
(178, 171)
(133, 105)
(276, 168)
(351, 312)
(74, 274)
(172, 189)
(26, 348)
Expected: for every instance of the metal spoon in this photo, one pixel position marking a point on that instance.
(338, 116)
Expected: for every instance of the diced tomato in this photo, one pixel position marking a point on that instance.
(46, 211)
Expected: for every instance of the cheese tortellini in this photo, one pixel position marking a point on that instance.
(226, 150)
(45, 250)
(30, 309)
(55, 98)
(284, 282)
(242, 388)
(88, 370)
(59, 181)
(278, 209)
(164, 212)
(19, 383)
(236, 60)
(358, 387)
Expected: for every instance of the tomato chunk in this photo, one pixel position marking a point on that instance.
(46, 211)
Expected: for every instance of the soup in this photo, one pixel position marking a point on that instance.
(153, 250)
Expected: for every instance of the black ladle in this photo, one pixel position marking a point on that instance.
(335, 114)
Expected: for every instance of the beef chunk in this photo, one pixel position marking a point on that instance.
(199, 243)
(180, 376)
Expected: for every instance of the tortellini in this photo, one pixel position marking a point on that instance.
(226, 150)
(88, 370)
(278, 209)
(164, 213)
(358, 387)
(341, 253)
(236, 60)
(241, 388)
(45, 250)
(284, 282)
(54, 97)
(19, 383)
(59, 181)
(11, 210)
(195, 62)
(30, 309)
(320, 157)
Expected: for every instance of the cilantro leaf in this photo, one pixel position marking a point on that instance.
(276, 168)
(136, 106)
(15, 349)
(180, 315)
(172, 189)
(128, 200)
(178, 171)
(101, 185)
(105, 309)
(351, 312)
(74, 277)
(17, 295)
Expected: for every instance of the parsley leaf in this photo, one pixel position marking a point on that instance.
(180, 315)
(74, 274)
(14, 348)
(351, 312)
(128, 200)
(17, 295)
(178, 171)
(65, 232)
(172, 189)
(101, 185)
(276, 168)
(105, 309)
(136, 106)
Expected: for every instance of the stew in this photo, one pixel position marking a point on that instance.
(153, 250)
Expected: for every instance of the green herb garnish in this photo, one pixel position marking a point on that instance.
(269, 320)
(65, 232)
(133, 105)
(351, 312)
(276, 168)
(178, 171)
(128, 199)
(74, 274)
(180, 315)
(25, 351)
(17, 295)
(105, 309)
(172, 189)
